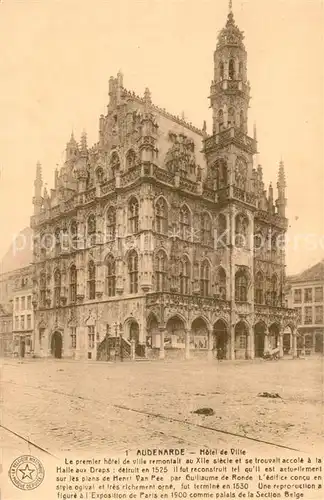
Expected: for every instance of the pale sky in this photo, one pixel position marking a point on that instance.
(57, 56)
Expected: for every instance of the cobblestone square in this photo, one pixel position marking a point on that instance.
(77, 406)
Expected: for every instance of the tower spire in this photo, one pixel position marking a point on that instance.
(38, 184)
(230, 6)
(281, 186)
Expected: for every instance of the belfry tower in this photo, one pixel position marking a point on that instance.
(229, 98)
(230, 91)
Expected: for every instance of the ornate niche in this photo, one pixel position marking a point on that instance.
(218, 174)
(240, 173)
(181, 158)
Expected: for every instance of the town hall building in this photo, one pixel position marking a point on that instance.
(163, 237)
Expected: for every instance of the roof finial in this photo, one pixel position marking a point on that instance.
(230, 6)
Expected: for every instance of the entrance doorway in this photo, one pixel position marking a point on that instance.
(259, 333)
(220, 339)
(56, 345)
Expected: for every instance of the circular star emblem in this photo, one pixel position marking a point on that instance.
(26, 472)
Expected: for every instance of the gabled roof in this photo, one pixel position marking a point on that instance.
(20, 253)
(314, 273)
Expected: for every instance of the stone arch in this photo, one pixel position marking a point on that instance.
(231, 69)
(242, 279)
(56, 344)
(130, 158)
(114, 161)
(185, 221)
(153, 338)
(220, 282)
(273, 337)
(161, 210)
(199, 333)
(289, 329)
(206, 228)
(110, 221)
(221, 339)
(99, 174)
(160, 269)
(260, 329)
(131, 330)
(175, 332)
(259, 288)
(241, 340)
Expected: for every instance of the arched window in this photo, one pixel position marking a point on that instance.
(221, 235)
(133, 215)
(111, 276)
(221, 70)
(241, 231)
(42, 290)
(161, 216)
(206, 229)
(205, 278)
(274, 290)
(57, 288)
(231, 117)
(221, 283)
(221, 119)
(111, 223)
(222, 180)
(100, 175)
(73, 284)
(185, 276)
(115, 162)
(160, 271)
(241, 173)
(241, 287)
(91, 229)
(133, 271)
(74, 235)
(91, 280)
(231, 69)
(259, 288)
(130, 159)
(185, 221)
(274, 243)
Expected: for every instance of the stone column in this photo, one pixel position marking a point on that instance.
(266, 341)
(232, 342)
(294, 344)
(281, 353)
(250, 344)
(162, 353)
(210, 345)
(187, 344)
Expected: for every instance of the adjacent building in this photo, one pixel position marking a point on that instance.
(23, 315)
(161, 234)
(6, 338)
(306, 295)
(16, 311)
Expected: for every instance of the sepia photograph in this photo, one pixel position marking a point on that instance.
(162, 249)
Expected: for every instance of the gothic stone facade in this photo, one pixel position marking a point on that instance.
(161, 233)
